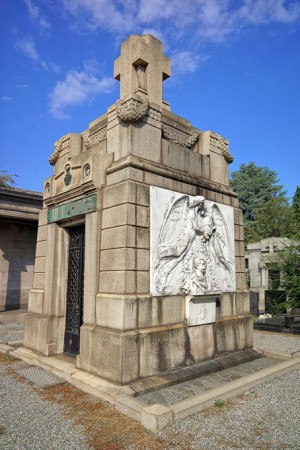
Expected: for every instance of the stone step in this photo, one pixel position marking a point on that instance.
(166, 379)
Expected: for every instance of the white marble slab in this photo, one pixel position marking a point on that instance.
(199, 310)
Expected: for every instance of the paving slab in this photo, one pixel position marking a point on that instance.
(176, 393)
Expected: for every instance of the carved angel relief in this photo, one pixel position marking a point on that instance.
(193, 252)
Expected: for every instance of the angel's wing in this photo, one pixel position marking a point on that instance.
(220, 240)
(174, 223)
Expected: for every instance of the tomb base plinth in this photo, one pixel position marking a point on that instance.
(139, 336)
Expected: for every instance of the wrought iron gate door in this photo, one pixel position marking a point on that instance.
(74, 310)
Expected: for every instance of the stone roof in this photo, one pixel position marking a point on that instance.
(16, 204)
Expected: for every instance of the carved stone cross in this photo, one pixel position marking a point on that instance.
(142, 67)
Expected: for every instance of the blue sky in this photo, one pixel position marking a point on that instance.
(235, 71)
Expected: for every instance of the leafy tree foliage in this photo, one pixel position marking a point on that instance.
(6, 179)
(275, 218)
(296, 208)
(255, 186)
(289, 264)
(266, 209)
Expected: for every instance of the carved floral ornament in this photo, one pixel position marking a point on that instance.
(87, 141)
(59, 146)
(180, 138)
(218, 141)
(132, 109)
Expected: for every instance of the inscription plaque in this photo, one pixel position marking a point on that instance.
(72, 209)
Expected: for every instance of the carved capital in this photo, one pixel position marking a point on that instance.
(180, 138)
(131, 110)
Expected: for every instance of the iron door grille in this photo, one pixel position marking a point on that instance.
(74, 311)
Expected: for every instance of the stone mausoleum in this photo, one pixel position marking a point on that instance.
(140, 256)
(263, 275)
(19, 213)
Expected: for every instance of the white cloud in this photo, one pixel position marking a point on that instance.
(205, 20)
(268, 11)
(50, 66)
(8, 99)
(77, 88)
(34, 13)
(112, 15)
(192, 22)
(27, 47)
(184, 25)
(185, 62)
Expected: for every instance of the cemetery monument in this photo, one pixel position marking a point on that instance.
(139, 263)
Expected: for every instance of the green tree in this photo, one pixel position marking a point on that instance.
(289, 263)
(6, 179)
(255, 186)
(275, 218)
(296, 208)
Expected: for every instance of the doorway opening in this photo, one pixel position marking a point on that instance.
(75, 290)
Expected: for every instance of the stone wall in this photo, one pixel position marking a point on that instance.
(18, 231)
(17, 251)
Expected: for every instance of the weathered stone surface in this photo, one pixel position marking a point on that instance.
(158, 311)
(162, 350)
(108, 354)
(138, 266)
(201, 341)
(119, 313)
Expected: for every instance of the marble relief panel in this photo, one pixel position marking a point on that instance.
(192, 245)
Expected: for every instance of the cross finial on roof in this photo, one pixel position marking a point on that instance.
(142, 67)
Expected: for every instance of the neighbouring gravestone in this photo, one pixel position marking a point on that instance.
(140, 255)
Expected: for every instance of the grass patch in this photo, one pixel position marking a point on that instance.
(7, 357)
(219, 403)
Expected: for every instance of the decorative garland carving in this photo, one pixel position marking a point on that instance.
(155, 115)
(59, 146)
(218, 141)
(132, 109)
(87, 141)
(193, 139)
(179, 137)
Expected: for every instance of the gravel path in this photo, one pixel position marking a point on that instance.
(11, 332)
(276, 342)
(28, 422)
(266, 417)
